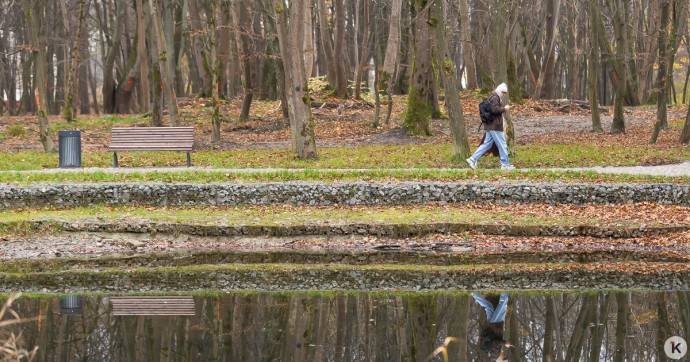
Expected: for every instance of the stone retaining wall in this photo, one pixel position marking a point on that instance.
(344, 193)
(375, 229)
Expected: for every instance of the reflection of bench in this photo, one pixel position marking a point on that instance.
(163, 305)
(152, 139)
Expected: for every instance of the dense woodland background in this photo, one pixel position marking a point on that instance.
(74, 57)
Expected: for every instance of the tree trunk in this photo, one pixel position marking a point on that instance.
(550, 321)
(290, 33)
(166, 74)
(32, 10)
(392, 58)
(663, 325)
(685, 134)
(308, 44)
(213, 67)
(363, 52)
(619, 18)
(109, 63)
(545, 85)
(341, 75)
(327, 44)
(461, 148)
(420, 96)
(623, 304)
(582, 325)
(144, 96)
(84, 74)
(661, 116)
(203, 89)
(594, 66)
(244, 27)
(467, 45)
(601, 313)
(156, 90)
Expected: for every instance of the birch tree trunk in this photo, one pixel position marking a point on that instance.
(290, 38)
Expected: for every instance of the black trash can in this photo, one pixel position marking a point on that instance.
(69, 147)
(70, 304)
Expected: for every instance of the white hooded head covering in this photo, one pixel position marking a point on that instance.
(501, 88)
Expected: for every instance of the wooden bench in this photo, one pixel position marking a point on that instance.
(152, 139)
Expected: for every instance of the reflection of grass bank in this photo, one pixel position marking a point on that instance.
(506, 261)
(287, 277)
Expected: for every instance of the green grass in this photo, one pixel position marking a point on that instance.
(397, 156)
(15, 221)
(204, 177)
(399, 162)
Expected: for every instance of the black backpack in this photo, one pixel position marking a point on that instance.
(485, 111)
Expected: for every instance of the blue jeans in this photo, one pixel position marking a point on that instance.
(493, 137)
(493, 315)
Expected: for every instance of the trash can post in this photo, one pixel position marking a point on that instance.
(69, 148)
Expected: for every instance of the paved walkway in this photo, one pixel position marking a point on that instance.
(679, 169)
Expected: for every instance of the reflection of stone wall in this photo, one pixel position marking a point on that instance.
(352, 193)
(275, 278)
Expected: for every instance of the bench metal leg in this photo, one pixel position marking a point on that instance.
(189, 160)
(114, 159)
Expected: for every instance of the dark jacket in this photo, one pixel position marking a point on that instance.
(497, 110)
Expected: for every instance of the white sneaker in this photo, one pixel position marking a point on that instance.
(473, 165)
(507, 167)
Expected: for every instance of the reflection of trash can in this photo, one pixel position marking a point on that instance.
(69, 147)
(70, 304)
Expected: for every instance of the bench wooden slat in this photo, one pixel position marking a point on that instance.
(151, 139)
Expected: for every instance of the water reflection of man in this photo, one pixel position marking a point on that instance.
(491, 337)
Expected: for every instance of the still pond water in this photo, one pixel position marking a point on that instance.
(352, 327)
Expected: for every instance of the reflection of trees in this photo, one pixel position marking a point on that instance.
(359, 327)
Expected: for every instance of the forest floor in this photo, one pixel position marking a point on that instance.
(349, 124)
